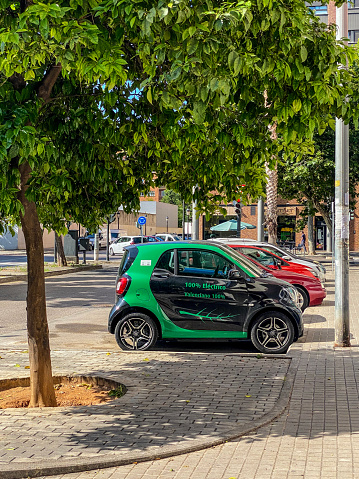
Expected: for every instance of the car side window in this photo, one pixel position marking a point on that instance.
(166, 261)
(258, 255)
(203, 263)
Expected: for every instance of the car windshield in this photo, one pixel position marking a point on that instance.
(243, 261)
(176, 238)
(278, 252)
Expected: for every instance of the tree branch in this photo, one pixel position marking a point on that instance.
(48, 82)
(17, 81)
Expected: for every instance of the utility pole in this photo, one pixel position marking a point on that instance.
(96, 249)
(195, 219)
(260, 219)
(183, 219)
(341, 315)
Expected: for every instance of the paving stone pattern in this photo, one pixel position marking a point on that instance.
(171, 398)
(318, 438)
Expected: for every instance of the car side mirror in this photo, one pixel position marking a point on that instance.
(234, 274)
(287, 258)
(276, 264)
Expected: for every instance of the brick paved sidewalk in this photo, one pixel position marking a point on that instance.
(176, 402)
(318, 438)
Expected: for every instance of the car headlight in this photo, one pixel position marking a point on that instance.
(320, 266)
(289, 295)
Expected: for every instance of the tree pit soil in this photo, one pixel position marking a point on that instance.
(68, 391)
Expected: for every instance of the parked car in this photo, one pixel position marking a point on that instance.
(117, 246)
(283, 254)
(168, 237)
(91, 238)
(200, 290)
(273, 261)
(311, 291)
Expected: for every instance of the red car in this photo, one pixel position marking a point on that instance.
(310, 289)
(273, 261)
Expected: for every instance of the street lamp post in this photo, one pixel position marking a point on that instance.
(166, 224)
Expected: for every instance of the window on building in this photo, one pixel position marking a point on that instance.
(353, 36)
(142, 194)
(253, 210)
(162, 193)
(151, 193)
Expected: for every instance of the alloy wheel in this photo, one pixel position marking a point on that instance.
(136, 334)
(272, 333)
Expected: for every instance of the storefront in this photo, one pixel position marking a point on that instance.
(320, 233)
(286, 225)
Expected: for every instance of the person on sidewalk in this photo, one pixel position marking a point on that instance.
(302, 242)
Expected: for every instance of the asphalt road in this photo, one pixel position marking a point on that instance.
(19, 258)
(78, 306)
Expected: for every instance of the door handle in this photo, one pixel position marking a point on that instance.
(161, 275)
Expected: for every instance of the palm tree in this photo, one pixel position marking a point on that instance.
(272, 200)
(272, 195)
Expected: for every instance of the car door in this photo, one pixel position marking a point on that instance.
(120, 244)
(193, 289)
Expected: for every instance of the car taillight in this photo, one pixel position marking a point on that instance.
(132, 242)
(121, 285)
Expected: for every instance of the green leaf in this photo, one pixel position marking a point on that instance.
(192, 46)
(232, 58)
(149, 95)
(297, 105)
(199, 112)
(303, 53)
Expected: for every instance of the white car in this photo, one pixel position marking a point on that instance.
(168, 237)
(283, 253)
(117, 246)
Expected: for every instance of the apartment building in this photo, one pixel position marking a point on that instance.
(327, 14)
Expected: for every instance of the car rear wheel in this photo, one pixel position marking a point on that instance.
(111, 251)
(303, 298)
(136, 332)
(272, 332)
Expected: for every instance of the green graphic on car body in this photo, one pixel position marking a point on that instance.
(207, 316)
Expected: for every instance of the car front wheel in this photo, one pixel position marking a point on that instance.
(111, 251)
(272, 333)
(136, 332)
(303, 298)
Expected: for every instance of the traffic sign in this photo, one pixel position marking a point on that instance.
(141, 220)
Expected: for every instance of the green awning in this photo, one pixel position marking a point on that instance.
(231, 225)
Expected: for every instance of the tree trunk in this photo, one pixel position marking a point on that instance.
(61, 258)
(272, 201)
(311, 238)
(41, 383)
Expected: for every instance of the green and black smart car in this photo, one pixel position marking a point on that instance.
(197, 290)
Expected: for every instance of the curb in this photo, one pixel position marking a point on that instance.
(23, 276)
(47, 468)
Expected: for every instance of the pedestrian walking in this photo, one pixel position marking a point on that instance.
(302, 242)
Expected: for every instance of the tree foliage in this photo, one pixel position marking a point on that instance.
(311, 179)
(170, 88)
(174, 198)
